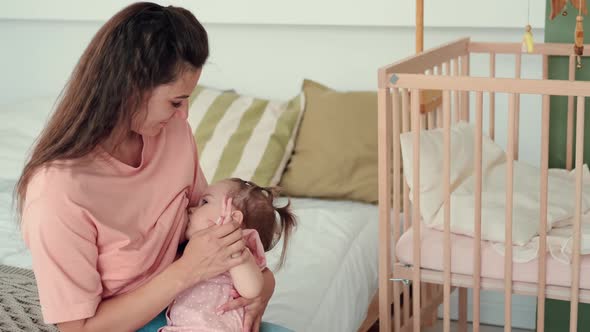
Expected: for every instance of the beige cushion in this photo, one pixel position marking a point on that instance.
(335, 154)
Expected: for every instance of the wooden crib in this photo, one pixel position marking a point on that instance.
(446, 69)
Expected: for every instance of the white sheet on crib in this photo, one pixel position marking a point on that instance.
(526, 187)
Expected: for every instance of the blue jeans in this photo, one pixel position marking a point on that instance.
(160, 321)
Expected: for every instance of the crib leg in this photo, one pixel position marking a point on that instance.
(426, 301)
(437, 291)
(462, 309)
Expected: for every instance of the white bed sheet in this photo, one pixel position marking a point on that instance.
(330, 275)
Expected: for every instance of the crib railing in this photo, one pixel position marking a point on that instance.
(446, 69)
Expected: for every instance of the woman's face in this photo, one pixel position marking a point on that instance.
(165, 102)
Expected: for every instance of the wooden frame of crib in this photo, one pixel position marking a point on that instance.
(447, 69)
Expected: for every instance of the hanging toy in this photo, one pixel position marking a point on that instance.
(579, 40)
(559, 6)
(527, 40)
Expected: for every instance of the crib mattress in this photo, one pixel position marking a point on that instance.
(492, 263)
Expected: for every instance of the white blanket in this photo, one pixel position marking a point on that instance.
(526, 199)
(560, 241)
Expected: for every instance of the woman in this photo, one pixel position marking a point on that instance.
(103, 199)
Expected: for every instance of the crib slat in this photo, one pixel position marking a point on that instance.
(477, 217)
(446, 70)
(384, 208)
(518, 71)
(545, 67)
(405, 129)
(492, 121)
(509, 203)
(438, 70)
(570, 116)
(447, 210)
(465, 94)
(431, 122)
(415, 106)
(577, 215)
(543, 213)
(396, 192)
(437, 123)
(456, 95)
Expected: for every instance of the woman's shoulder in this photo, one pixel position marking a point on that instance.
(51, 183)
(51, 200)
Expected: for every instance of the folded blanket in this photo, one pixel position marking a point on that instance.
(19, 301)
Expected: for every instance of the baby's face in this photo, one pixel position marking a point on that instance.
(208, 210)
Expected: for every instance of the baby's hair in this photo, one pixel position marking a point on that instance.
(257, 205)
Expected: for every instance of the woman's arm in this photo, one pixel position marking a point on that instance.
(247, 277)
(132, 310)
(207, 254)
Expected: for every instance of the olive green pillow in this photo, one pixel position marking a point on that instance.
(335, 154)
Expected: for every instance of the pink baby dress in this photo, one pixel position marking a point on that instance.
(194, 310)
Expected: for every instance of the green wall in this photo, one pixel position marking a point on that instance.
(561, 30)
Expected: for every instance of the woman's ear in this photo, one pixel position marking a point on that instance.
(237, 216)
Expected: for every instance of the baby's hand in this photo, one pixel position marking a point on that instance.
(226, 210)
(226, 215)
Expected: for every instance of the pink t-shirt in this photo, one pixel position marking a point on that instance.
(100, 228)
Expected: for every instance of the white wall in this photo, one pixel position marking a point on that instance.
(398, 13)
(40, 47)
(263, 60)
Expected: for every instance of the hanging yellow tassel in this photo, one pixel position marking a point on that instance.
(527, 40)
(579, 40)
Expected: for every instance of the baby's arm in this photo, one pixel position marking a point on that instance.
(247, 277)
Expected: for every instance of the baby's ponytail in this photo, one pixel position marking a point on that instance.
(287, 219)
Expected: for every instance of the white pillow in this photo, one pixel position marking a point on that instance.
(432, 193)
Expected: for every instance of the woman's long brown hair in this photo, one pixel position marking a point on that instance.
(141, 47)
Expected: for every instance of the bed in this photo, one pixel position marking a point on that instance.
(327, 284)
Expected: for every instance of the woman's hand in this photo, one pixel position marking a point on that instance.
(254, 308)
(213, 251)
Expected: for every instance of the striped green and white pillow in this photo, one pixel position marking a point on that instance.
(241, 136)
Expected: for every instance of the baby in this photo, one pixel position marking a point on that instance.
(253, 207)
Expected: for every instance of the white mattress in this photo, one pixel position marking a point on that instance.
(330, 273)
